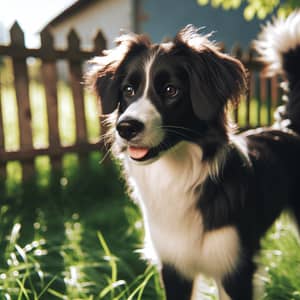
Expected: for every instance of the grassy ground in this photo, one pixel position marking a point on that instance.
(73, 238)
(74, 234)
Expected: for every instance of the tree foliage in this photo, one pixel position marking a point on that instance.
(256, 8)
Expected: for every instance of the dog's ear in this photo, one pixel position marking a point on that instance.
(108, 92)
(215, 78)
(105, 72)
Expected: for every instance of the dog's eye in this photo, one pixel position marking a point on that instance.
(128, 91)
(170, 91)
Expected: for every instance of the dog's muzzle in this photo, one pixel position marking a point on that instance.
(129, 129)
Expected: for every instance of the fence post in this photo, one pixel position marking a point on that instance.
(263, 96)
(99, 42)
(76, 86)
(99, 46)
(75, 68)
(269, 100)
(22, 95)
(275, 91)
(2, 145)
(251, 88)
(49, 77)
(237, 52)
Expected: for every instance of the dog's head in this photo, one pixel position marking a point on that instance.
(166, 93)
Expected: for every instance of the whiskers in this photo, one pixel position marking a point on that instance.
(178, 134)
(106, 154)
(107, 139)
(182, 132)
(108, 136)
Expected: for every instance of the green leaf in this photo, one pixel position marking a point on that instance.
(203, 2)
(249, 13)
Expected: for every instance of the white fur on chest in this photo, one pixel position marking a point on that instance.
(168, 190)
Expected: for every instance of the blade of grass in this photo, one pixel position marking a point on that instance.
(140, 288)
(110, 257)
(23, 290)
(144, 283)
(47, 287)
(57, 294)
(128, 287)
(111, 287)
(111, 261)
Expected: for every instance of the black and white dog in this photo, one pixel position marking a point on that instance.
(207, 195)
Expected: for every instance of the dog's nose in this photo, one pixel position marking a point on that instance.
(129, 128)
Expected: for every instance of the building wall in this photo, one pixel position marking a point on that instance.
(162, 19)
(108, 15)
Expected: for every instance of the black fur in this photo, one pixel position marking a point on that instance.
(222, 76)
(176, 286)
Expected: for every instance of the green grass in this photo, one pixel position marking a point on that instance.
(74, 234)
(281, 258)
(73, 238)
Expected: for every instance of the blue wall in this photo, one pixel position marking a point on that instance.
(164, 18)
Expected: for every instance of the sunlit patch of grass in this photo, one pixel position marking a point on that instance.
(14, 176)
(281, 258)
(43, 170)
(21, 273)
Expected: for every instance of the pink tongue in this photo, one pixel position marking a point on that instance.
(137, 153)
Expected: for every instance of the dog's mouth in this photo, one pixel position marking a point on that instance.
(144, 154)
(138, 153)
(148, 154)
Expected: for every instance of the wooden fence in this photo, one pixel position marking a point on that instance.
(48, 56)
(263, 95)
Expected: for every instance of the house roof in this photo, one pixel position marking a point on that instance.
(70, 11)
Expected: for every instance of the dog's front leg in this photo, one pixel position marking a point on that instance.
(239, 284)
(176, 286)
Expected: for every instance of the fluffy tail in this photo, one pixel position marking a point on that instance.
(279, 46)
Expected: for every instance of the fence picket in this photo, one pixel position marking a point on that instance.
(249, 97)
(22, 95)
(258, 99)
(269, 101)
(99, 45)
(2, 142)
(237, 52)
(251, 86)
(275, 91)
(75, 69)
(50, 79)
(99, 42)
(262, 95)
